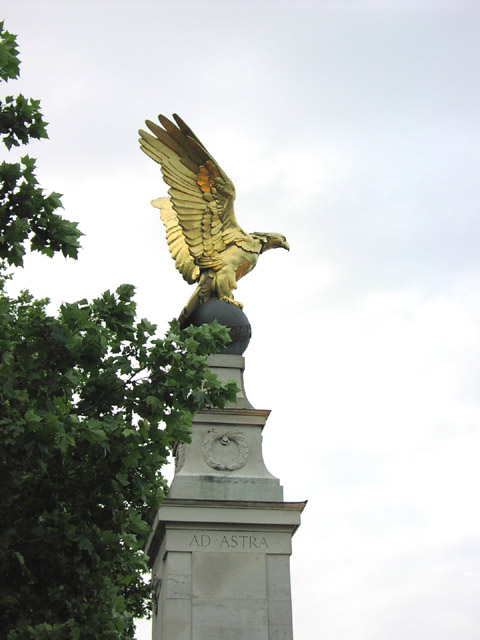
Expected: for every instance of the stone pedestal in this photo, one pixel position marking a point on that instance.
(221, 542)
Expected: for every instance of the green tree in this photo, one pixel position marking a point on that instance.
(92, 403)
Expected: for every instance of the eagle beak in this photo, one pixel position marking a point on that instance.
(286, 246)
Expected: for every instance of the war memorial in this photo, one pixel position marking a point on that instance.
(221, 542)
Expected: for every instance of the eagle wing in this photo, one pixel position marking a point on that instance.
(176, 241)
(201, 194)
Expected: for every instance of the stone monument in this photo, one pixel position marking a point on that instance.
(221, 542)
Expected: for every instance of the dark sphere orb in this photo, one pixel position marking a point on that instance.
(229, 315)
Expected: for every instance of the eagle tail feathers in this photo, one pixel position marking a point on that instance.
(202, 293)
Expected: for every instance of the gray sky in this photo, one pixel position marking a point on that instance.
(352, 128)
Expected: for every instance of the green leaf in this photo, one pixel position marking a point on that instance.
(85, 544)
(9, 62)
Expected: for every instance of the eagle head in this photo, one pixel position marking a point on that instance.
(271, 241)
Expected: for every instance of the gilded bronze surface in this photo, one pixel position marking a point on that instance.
(204, 238)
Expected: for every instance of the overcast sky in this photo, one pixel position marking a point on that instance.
(353, 128)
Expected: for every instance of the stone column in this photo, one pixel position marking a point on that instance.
(221, 542)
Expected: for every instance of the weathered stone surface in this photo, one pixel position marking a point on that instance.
(221, 542)
(230, 368)
(223, 567)
(224, 461)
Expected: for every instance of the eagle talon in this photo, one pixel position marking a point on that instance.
(231, 301)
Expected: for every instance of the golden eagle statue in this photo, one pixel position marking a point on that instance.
(204, 238)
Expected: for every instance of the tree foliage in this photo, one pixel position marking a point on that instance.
(27, 216)
(92, 403)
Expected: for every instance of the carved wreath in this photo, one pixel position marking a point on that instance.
(225, 437)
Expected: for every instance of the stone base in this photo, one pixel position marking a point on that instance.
(221, 542)
(221, 569)
(224, 460)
